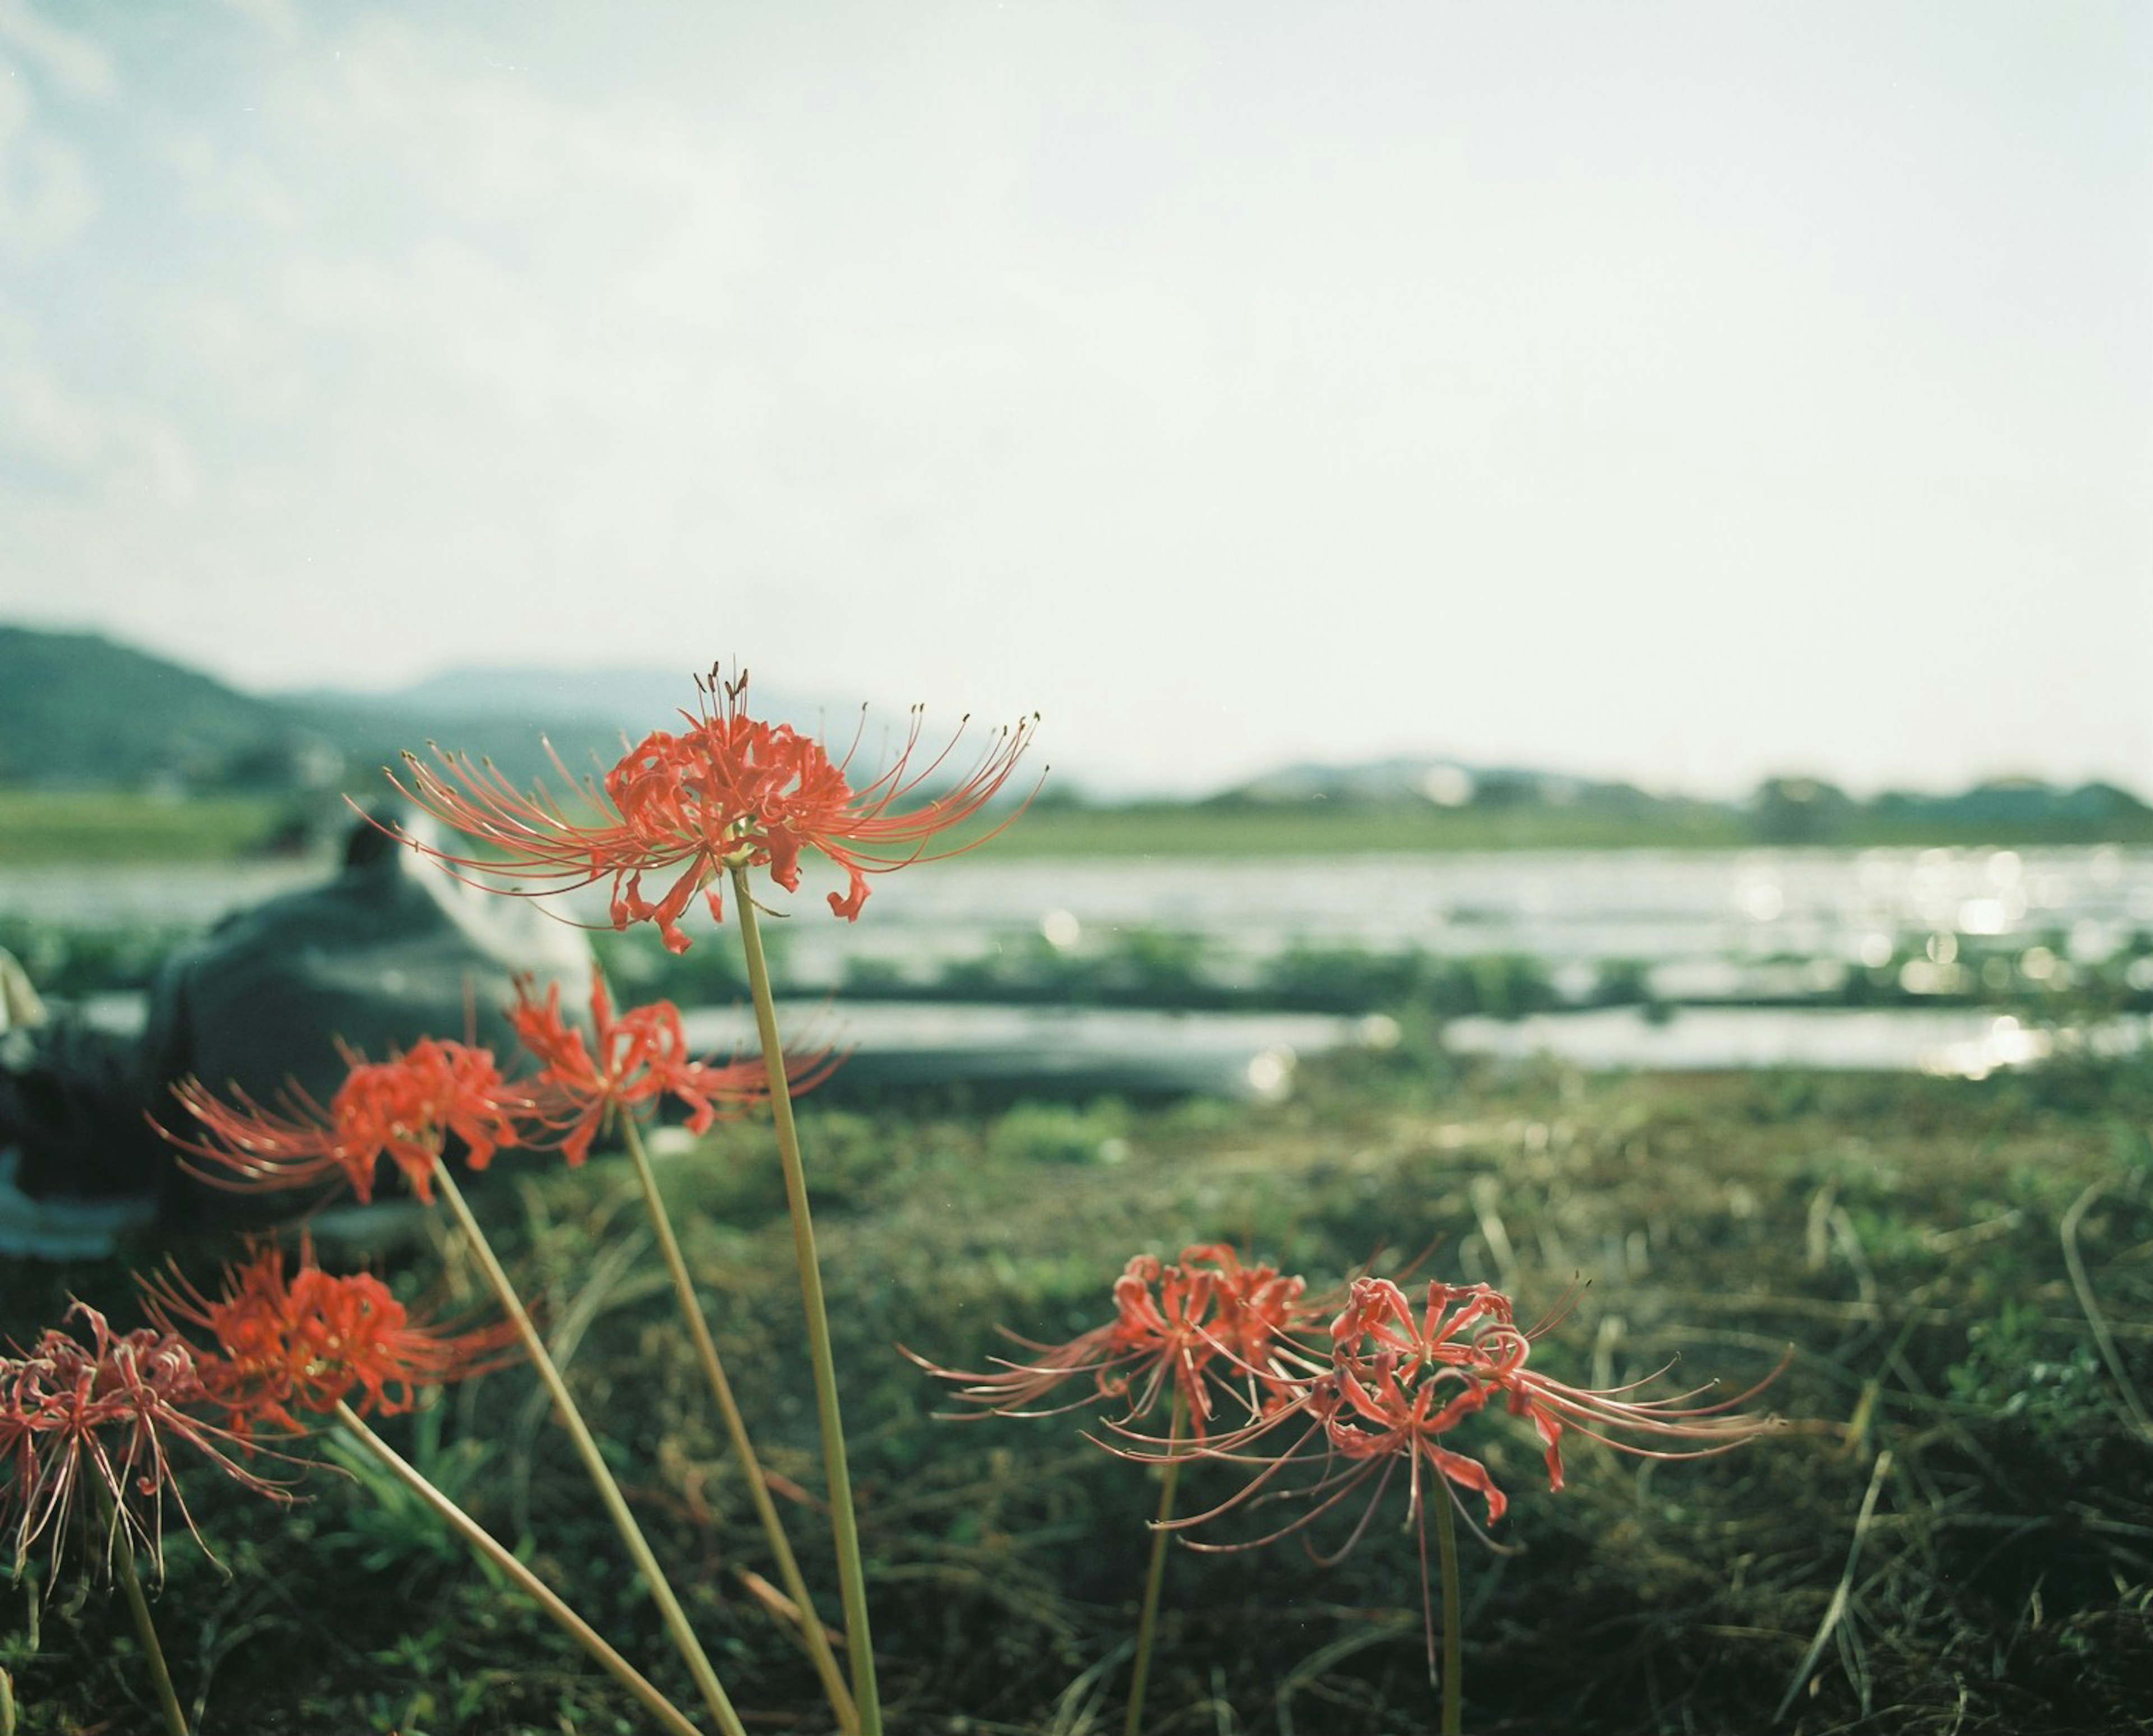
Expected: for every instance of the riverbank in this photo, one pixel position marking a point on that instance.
(1930, 1248)
(93, 827)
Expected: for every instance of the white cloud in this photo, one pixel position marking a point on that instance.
(42, 427)
(223, 184)
(281, 19)
(47, 197)
(72, 61)
(114, 453)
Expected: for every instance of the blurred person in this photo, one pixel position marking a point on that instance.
(391, 950)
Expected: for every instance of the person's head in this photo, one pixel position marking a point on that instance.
(386, 828)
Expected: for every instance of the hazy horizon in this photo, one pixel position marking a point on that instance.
(593, 691)
(1675, 393)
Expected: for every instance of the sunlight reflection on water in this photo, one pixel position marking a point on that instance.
(1789, 925)
(1967, 1043)
(1659, 907)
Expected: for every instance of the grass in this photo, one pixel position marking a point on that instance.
(60, 827)
(1906, 1236)
(1322, 829)
(117, 826)
(1327, 828)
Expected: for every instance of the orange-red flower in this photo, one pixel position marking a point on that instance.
(727, 790)
(309, 1339)
(404, 1109)
(640, 1056)
(1206, 1325)
(1470, 1329)
(1399, 1379)
(109, 1410)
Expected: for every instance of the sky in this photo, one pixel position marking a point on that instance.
(1685, 392)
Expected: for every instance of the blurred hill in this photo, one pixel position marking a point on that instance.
(622, 699)
(78, 711)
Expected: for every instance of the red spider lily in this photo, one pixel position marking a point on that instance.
(1469, 1325)
(311, 1339)
(1400, 1380)
(404, 1109)
(726, 792)
(1206, 1322)
(640, 1055)
(1470, 1328)
(109, 1409)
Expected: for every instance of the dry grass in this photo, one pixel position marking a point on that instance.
(1952, 1535)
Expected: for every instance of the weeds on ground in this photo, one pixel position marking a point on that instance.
(2001, 1584)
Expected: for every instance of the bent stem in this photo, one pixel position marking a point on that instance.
(812, 1633)
(1148, 1620)
(168, 1698)
(1453, 1617)
(852, 1579)
(485, 1544)
(602, 1478)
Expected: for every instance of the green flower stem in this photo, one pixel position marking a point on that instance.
(851, 1578)
(1454, 1616)
(168, 1698)
(485, 1544)
(1148, 1620)
(602, 1478)
(811, 1632)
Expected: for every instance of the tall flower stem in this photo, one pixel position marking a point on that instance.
(811, 1632)
(1148, 1620)
(602, 1478)
(168, 1698)
(1454, 1616)
(485, 1544)
(851, 1578)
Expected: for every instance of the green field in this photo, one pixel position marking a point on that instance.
(1951, 1533)
(93, 826)
(1319, 829)
(119, 826)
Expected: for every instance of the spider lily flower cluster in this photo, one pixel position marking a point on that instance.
(411, 1109)
(113, 1413)
(404, 1109)
(639, 1057)
(110, 1412)
(310, 1340)
(1330, 1405)
(1208, 1326)
(727, 790)
(1398, 1376)
(213, 1374)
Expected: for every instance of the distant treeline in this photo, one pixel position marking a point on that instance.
(1783, 811)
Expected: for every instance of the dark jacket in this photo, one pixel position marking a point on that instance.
(393, 948)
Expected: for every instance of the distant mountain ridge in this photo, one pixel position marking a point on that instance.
(630, 698)
(77, 710)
